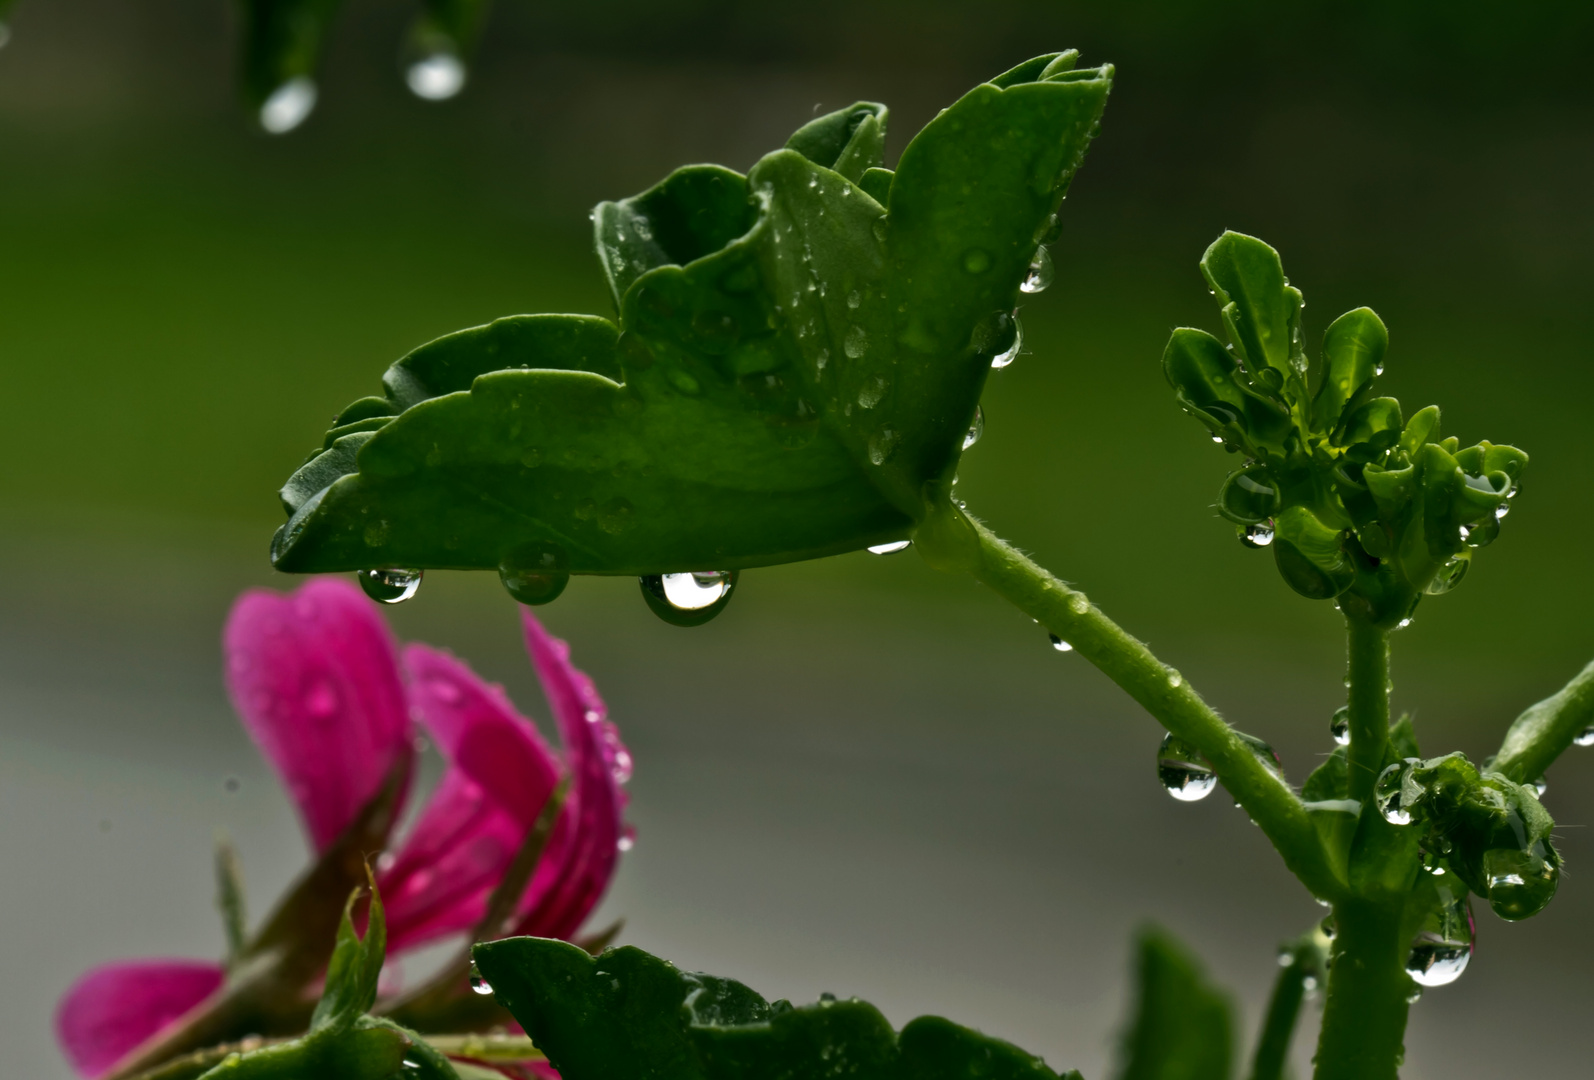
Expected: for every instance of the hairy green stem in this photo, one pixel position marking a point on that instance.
(1163, 693)
(1367, 676)
(1283, 1009)
(1364, 1019)
(1541, 733)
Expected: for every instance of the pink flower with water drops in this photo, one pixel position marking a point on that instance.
(332, 703)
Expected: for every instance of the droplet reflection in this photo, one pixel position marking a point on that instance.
(288, 105)
(1183, 772)
(437, 77)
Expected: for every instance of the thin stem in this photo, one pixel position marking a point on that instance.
(1284, 1008)
(1540, 734)
(1163, 693)
(1367, 674)
(1364, 1019)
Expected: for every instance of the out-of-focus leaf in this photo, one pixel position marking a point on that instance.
(625, 1013)
(792, 375)
(1182, 1028)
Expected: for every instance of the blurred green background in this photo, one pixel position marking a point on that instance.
(864, 777)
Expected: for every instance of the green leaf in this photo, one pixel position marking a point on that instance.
(1260, 308)
(792, 374)
(625, 1013)
(1182, 1028)
(356, 964)
(1353, 354)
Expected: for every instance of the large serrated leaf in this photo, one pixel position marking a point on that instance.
(794, 366)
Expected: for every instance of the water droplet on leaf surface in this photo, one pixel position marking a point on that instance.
(1041, 272)
(856, 342)
(976, 429)
(391, 586)
(1183, 772)
(437, 77)
(1339, 726)
(976, 260)
(535, 573)
(891, 548)
(689, 599)
(1387, 792)
(288, 105)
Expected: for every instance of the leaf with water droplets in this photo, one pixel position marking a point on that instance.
(625, 1013)
(794, 370)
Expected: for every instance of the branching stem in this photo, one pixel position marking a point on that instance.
(1165, 694)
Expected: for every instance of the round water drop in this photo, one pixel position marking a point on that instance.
(856, 342)
(1482, 534)
(1010, 352)
(1078, 603)
(1339, 725)
(1041, 272)
(1586, 738)
(1175, 679)
(1184, 773)
(437, 77)
(1059, 644)
(976, 429)
(689, 599)
(1388, 793)
(627, 839)
(391, 586)
(891, 548)
(1442, 948)
(1259, 535)
(1415, 995)
(976, 260)
(535, 573)
(477, 983)
(1449, 575)
(1539, 786)
(288, 105)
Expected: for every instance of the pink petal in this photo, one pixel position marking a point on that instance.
(501, 773)
(315, 677)
(112, 1009)
(580, 860)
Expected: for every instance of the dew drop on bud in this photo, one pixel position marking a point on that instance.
(890, 548)
(1259, 535)
(288, 105)
(1183, 772)
(477, 983)
(391, 586)
(1339, 726)
(689, 599)
(1443, 947)
(1059, 644)
(437, 77)
(1041, 272)
(976, 429)
(1387, 792)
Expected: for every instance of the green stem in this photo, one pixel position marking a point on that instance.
(1368, 679)
(1364, 1019)
(1283, 1009)
(1166, 696)
(1540, 734)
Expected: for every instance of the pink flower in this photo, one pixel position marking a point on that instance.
(327, 696)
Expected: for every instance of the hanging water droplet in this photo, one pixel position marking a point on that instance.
(391, 586)
(976, 429)
(1586, 738)
(1041, 272)
(1539, 786)
(1059, 644)
(1449, 575)
(1010, 352)
(288, 105)
(535, 573)
(1482, 534)
(1184, 773)
(1387, 792)
(1442, 948)
(627, 839)
(1259, 535)
(1339, 725)
(891, 548)
(689, 599)
(1501, 511)
(437, 77)
(477, 983)
(1328, 927)
(1415, 995)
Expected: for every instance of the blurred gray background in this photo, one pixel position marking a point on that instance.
(865, 777)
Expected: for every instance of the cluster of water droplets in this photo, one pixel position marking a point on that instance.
(391, 586)
(691, 598)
